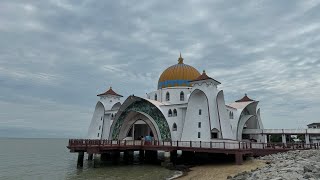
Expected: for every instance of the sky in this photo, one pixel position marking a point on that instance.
(56, 56)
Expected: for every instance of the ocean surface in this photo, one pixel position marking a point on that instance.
(49, 159)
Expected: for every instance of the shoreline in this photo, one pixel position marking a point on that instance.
(219, 171)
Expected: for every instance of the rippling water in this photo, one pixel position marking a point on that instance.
(50, 159)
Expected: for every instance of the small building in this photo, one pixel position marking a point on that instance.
(314, 138)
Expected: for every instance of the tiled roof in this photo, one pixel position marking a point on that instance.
(245, 99)
(204, 76)
(110, 92)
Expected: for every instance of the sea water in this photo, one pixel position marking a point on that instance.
(49, 159)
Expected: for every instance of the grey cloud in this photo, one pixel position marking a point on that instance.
(66, 52)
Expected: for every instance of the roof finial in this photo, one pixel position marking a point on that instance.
(180, 60)
(110, 87)
(245, 94)
(204, 71)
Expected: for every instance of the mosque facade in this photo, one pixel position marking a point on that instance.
(187, 106)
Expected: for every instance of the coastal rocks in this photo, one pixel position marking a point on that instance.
(291, 165)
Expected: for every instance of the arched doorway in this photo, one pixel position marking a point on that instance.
(128, 114)
(137, 125)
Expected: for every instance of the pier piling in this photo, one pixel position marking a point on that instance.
(90, 157)
(238, 158)
(80, 159)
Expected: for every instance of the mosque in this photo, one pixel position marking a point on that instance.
(187, 106)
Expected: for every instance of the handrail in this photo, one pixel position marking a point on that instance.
(188, 144)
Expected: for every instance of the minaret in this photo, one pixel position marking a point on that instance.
(109, 97)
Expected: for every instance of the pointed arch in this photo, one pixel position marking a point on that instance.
(167, 96)
(170, 113)
(181, 96)
(174, 127)
(155, 97)
(175, 113)
(134, 105)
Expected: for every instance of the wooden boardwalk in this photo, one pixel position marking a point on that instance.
(100, 146)
(239, 149)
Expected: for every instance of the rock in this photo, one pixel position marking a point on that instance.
(277, 178)
(297, 165)
(307, 168)
(229, 177)
(308, 175)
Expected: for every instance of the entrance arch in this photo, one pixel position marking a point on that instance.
(134, 117)
(138, 106)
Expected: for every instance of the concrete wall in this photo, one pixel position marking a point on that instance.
(174, 95)
(224, 117)
(197, 101)
(102, 117)
(96, 122)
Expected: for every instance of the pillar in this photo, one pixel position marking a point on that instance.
(141, 155)
(239, 158)
(128, 156)
(265, 138)
(151, 156)
(166, 162)
(173, 156)
(307, 137)
(80, 159)
(284, 139)
(90, 157)
(115, 156)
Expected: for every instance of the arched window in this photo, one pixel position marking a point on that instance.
(181, 96)
(169, 113)
(175, 112)
(167, 96)
(230, 115)
(174, 127)
(111, 116)
(155, 97)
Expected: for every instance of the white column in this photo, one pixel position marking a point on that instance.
(284, 140)
(264, 138)
(133, 138)
(307, 137)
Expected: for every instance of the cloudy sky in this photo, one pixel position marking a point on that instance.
(56, 55)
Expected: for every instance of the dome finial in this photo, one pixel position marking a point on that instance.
(180, 60)
(204, 72)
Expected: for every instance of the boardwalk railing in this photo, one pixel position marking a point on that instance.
(231, 145)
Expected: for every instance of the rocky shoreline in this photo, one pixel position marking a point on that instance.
(291, 165)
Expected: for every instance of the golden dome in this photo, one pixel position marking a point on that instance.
(178, 75)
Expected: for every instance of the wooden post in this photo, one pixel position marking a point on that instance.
(190, 143)
(200, 144)
(210, 144)
(224, 145)
(177, 143)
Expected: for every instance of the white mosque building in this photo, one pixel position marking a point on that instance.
(187, 106)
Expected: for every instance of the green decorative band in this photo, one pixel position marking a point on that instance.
(148, 108)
